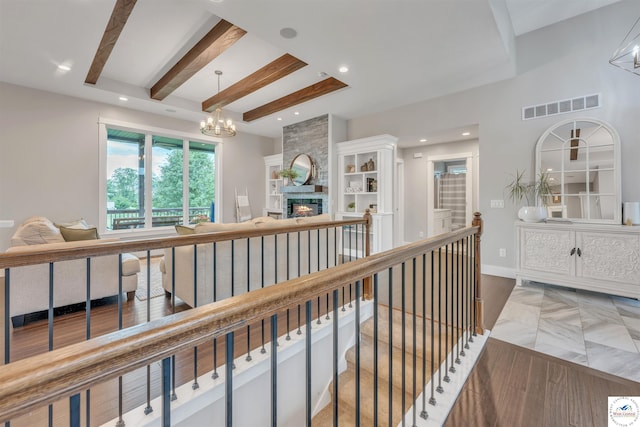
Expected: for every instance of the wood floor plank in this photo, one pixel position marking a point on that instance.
(536, 387)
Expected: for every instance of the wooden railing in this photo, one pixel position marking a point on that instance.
(40, 380)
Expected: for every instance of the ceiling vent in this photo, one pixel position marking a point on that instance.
(580, 103)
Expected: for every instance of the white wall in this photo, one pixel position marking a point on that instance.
(558, 62)
(49, 157)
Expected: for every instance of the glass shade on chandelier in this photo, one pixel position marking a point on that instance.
(627, 54)
(218, 126)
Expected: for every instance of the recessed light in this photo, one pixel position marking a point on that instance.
(279, 119)
(466, 133)
(288, 33)
(123, 98)
(423, 140)
(296, 113)
(171, 110)
(64, 67)
(343, 69)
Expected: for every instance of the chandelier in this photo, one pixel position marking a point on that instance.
(217, 125)
(626, 56)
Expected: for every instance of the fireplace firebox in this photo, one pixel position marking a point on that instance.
(297, 208)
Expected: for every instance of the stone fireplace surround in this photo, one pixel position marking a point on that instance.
(308, 137)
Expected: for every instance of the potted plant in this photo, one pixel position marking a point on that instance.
(289, 174)
(351, 206)
(536, 194)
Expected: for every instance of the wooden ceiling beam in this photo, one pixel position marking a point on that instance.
(219, 39)
(303, 95)
(118, 19)
(266, 75)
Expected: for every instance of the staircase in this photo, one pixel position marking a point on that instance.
(347, 380)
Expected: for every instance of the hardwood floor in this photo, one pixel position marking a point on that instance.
(514, 386)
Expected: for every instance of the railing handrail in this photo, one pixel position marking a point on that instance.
(48, 377)
(35, 256)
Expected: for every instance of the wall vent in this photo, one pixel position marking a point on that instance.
(552, 108)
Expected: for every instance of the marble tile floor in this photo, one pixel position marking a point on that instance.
(592, 329)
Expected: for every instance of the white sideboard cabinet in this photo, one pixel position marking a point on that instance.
(600, 258)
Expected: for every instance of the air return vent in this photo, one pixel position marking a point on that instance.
(580, 103)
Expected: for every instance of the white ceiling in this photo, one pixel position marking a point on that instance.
(398, 51)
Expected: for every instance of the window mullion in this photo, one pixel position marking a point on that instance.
(185, 181)
(148, 175)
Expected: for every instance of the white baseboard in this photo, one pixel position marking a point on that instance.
(496, 270)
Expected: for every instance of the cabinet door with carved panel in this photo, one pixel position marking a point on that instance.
(609, 256)
(547, 251)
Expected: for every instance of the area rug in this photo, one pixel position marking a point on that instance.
(156, 279)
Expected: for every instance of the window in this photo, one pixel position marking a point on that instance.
(153, 180)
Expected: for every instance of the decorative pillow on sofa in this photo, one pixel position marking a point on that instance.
(36, 231)
(185, 230)
(72, 234)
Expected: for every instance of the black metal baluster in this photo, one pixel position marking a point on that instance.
(74, 410)
(88, 337)
(468, 292)
(319, 322)
(335, 358)
(462, 295)
(148, 409)
(446, 314)
(50, 330)
(299, 330)
(228, 379)
(233, 293)
(415, 342)
(357, 338)
(432, 398)
(403, 305)
(215, 297)
(439, 389)
(275, 238)
(308, 363)
(195, 384)
(274, 370)
(390, 319)
(452, 369)
(327, 245)
(375, 349)
(7, 319)
(248, 358)
(174, 396)
(166, 391)
(120, 422)
(424, 414)
(473, 290)
(457, 300)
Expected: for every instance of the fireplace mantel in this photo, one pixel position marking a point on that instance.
(302, 189)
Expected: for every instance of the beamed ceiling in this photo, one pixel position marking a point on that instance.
(222, 36)
(161, 55)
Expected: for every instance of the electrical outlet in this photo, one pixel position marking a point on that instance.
(497, 204)
(421, 234)
(503, 252)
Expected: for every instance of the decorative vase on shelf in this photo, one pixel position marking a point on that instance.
(532, 213)
(371, 166)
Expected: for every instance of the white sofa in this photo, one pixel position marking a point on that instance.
(244, 261)
(29, 291)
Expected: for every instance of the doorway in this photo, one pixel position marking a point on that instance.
(449, 192)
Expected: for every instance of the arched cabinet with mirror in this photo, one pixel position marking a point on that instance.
(583, 245)
(581, 160)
